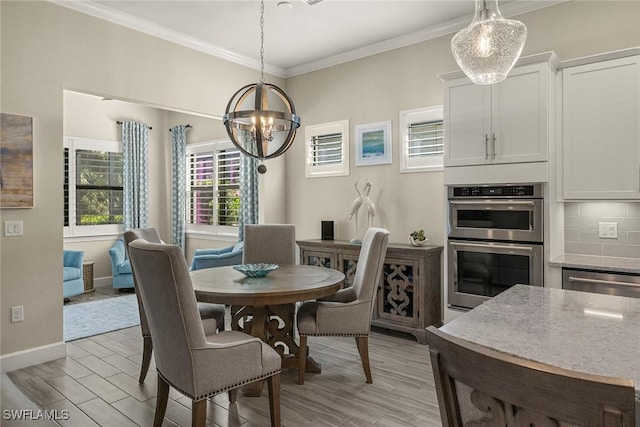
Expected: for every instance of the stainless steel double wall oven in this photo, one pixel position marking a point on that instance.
(495, 241)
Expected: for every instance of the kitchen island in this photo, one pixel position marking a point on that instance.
(584, 332)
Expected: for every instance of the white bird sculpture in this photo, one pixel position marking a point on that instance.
(355, 207)
(371, 207)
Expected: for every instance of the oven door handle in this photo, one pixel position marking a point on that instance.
(480, 245)
(601, 282)
(493, 202)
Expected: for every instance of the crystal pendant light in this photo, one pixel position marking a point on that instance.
(488, 48)
(260, 118)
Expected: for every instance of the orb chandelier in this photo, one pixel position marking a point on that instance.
(260, 118)
(488, 48)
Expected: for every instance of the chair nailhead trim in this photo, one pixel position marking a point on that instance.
(213, 393)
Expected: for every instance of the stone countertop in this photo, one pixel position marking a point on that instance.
(594, 262)
(580, 331)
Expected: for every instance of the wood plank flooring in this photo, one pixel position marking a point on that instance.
(97, 383)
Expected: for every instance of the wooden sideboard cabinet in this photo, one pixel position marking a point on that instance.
(409, 297)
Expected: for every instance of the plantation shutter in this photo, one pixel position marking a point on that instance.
(425, 139)
(228, 167)
(326, 149)
(200, 167)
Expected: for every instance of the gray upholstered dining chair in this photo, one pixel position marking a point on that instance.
(212, 315)
(269, 243)
(197, 365)
(477, 385)
(347, 312)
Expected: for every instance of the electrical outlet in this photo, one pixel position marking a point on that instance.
(17, 314)
(608, 230)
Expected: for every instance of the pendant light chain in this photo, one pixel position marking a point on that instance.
(262, 41)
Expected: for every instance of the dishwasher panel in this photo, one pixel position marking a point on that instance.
(599, 282)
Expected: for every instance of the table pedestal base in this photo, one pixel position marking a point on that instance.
(273, 324)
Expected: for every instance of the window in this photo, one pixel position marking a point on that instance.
(213, 188)
(422, 139)
(327, 149)
(92, 187)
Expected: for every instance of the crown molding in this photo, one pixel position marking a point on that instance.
(455, 25)
(137, 24)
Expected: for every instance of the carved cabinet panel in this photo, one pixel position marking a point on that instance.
(409, 293)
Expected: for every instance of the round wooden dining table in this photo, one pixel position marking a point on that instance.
(264, 307)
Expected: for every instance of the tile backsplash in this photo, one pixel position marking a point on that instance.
(581, 223)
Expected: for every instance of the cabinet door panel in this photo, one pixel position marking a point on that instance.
(467, 121)
(320, 259)
(601, 130)
(519, 116)
(398, 296)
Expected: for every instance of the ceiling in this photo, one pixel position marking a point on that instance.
(298, 37)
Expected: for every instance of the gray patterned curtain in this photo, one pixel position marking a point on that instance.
(248, 193)
(178, 203)
(135, 156)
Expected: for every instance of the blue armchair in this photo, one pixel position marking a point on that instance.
(207, 258)
(72, 280)
(120, 266)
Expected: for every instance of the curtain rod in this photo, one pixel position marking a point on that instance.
(119, 123)
(187, 126)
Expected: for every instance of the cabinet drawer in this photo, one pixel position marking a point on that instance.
(624, 285)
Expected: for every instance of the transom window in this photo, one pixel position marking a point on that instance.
(422, 138)
(327, 149)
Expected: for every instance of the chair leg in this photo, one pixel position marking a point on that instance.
(273, 383)
(302, 356)
(161, 401)
(147, 349)
(233, 395)
(363, 349)
(199, 413)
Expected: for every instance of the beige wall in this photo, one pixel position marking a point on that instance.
(47, 48)
(377, 88)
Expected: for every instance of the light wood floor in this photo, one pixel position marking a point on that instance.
(97, 383)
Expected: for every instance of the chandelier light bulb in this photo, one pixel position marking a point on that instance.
(489, 47)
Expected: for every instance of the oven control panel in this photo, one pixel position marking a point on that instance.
(529, 191)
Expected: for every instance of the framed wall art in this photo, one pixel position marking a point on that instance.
(373, 144)
(16, 161)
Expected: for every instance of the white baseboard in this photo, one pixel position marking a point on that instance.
(32, 356)
(102, 281)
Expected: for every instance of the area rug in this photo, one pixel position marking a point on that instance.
(97, 317)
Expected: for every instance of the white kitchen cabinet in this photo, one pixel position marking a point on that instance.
(601, 130)
(506, 122)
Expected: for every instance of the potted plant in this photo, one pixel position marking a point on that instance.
(417, 238)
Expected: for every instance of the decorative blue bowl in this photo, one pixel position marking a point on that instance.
(255, 270)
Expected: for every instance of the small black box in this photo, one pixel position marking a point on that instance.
(327, 230)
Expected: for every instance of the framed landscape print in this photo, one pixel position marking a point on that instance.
(16, 161)
(373, 144)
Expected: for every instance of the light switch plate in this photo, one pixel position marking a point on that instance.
(13, 228)
(608, 230)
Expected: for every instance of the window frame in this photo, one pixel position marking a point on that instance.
(407, 118)
(213, 147)
(318, 171)
(78, 143)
